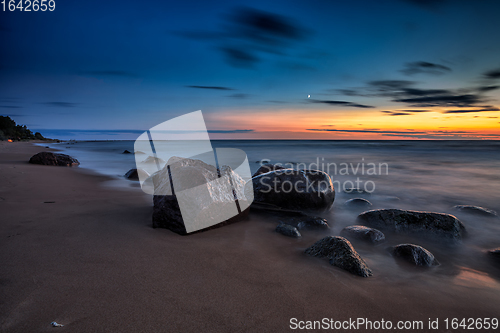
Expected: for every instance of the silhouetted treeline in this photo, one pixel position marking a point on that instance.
(10, 130)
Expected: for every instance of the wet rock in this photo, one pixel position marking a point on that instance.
(48, 158)
(341, 254)
(361, 232)
(294, 189)
(214, 195)
(126, 152)
(312, 223)
(408, 221)
(132, 174)
(356, 191)
(288, 230)
(495, 252)
(415, 254)
(358, 203)
(476, 210)
(266, 168)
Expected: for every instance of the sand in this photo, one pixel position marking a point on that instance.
(85, 255)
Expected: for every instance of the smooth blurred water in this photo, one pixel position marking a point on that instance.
(417, 175)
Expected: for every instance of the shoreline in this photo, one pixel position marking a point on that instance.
(86, 256)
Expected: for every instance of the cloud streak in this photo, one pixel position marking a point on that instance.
(340, 103)
(210, 87)
(61, 104)
(424, 67)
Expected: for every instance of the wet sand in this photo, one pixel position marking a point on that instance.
(86, 256)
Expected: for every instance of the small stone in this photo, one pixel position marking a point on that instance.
(288, 230)
(358, 203)
(495, 252)
(415, 254)
(312, 223)
(361, 232)
(476, 210)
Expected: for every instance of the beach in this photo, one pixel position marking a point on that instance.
(86, 256)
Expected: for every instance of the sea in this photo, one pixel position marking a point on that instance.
(430, 176)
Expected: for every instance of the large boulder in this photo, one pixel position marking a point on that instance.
(196, 185)
(341, 254)
(415, 254)
(288, 230)
(265, 168)
(294, 189)
(476, 210)
(48, 158)
(364, 233)
(408, 221)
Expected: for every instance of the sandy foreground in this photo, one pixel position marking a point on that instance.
(86, 256)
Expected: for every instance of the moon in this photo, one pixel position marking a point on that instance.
(308, 96)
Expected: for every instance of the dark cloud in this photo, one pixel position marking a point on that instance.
(342, 103)
(239, 57)
(442, 100)
(424, 67)
(487, 88)
(231, 131)
(415, 134)
(210, 87)
(392, 113)
(265, 26)
(115, 73)
(415, 111)
(61, 104)
(247, 33)
(493, 74)
(486, 108)
(10, 107)
(403, 91)
(363, 131)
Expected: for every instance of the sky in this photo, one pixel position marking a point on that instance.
(282, 69)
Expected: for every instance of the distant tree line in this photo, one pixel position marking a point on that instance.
(10, 130)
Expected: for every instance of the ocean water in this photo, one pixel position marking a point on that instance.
(417, 175)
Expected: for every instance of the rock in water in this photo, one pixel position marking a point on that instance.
(361, 232)
(312, 223)
(48, 158)
(415, 254)
(341, 254)
(408, 221)
(294, 189)
(126, 152)
(495, 252)
(132, 174)
(288, 230)
(476, 210)
(212, 195)
(266, 168)
(358, 203)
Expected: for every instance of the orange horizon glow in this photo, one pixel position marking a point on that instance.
(355, 125)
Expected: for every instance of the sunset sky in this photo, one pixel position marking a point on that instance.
(400, 69)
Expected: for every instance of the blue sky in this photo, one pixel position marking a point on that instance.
(110, 70)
